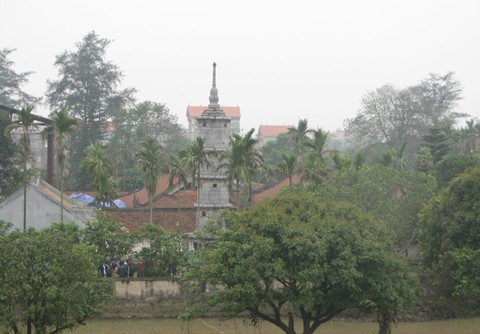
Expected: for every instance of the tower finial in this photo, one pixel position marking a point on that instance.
(214, 92)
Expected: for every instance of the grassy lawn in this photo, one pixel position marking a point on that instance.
(236, 326)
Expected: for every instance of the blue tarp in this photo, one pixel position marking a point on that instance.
(119, 203)
(84, 197)
(91, 201)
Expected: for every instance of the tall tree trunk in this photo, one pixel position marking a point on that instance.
(61, 192)
(385, 321)
(291, 323)
(29, 325)
(25, 197)
(151, 209)
(238, 196)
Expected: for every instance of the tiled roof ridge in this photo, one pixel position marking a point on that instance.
(267, 187)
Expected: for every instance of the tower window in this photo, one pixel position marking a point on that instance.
(204, 213)
(204, 124)
(214, 185)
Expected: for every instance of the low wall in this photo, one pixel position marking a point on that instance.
(145, 298)
(147, 289)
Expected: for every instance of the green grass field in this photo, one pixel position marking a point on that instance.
(236, 326)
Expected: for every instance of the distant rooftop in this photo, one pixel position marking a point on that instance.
(196, 111)
(272, 130)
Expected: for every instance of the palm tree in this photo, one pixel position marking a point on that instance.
(176, 169)
(253, 160)
(299, 134)
(469, 136)
(24, 122)
(317, 144)
(195, 157)
(102, 173)
(150, 163)
(312, 169)
(287, 166)
(61, 128)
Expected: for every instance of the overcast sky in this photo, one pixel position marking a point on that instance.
(280, 61)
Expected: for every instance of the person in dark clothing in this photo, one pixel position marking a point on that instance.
(122, 269)
(105, 270)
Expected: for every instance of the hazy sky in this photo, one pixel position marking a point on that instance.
(280, 61)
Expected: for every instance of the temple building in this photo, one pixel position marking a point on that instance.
(213, 126)
(193, 112)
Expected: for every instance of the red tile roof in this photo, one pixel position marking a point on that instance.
(196, 111)
(274, 190)
(170, 219)
(180, 199)
(140, 197)
(272, 130)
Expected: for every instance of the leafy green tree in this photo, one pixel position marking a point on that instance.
(150, 119)
(136, 124)
(453, 165)
(24, 123)
(164, 252)
(392, 197)
(151, 165)
(87, 86)
(102, 173)
(48, 282)
(424, 159)
(11, 178)
(4, 227)
(11, 82)
(394, 158)
(294, 253)
(62, 127)
(450, 241)
(109, 238)
(437, 142)
(272, 153)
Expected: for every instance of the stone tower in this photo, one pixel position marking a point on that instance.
(214, 128)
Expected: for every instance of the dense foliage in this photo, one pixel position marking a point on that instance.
(109, 238)
(87, 86)
(48, 281)
(450, 241)
(293, 252)
(392, 197)
(10, 175)
(11, 93)
(132, 126)
(161, 253)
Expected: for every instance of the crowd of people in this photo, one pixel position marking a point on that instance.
(119, 268)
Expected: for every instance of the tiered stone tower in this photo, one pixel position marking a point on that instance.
(214, 128)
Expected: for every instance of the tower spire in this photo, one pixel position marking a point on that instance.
(213, 91)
